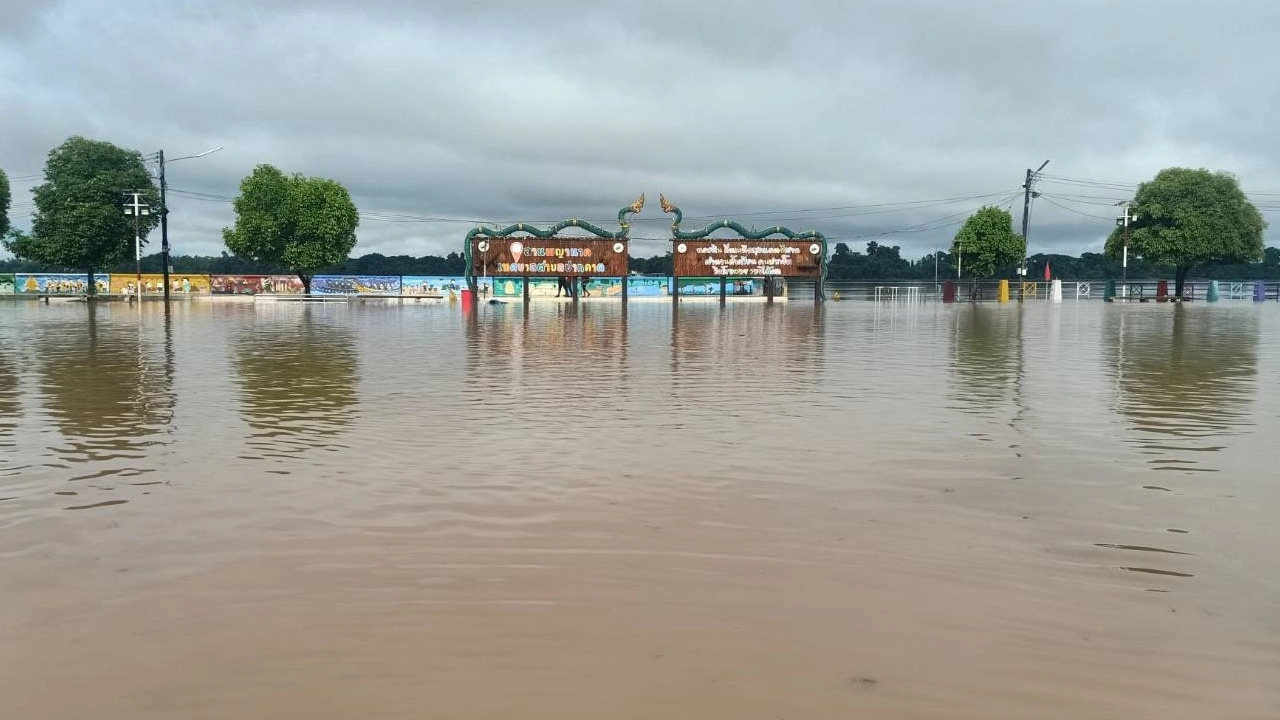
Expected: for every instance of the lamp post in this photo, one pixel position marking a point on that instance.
(164, 212)
(137, 209)
(1123, 221)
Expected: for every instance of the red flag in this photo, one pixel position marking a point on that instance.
(1047, 277)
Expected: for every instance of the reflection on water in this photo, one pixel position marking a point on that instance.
(107, 383)
(1185, 380)
(751, 511)
(747, 351)
(10, 407)
(986, 358)
(9, 404)
(297, 380)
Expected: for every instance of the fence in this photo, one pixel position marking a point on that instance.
(898, 291)
(1040, 291)
(373, 286)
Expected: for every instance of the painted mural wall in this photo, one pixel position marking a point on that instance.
(441, 286)
(58, 283)
(256, 284)
(153, 284)
(355, 284)
(449, 287)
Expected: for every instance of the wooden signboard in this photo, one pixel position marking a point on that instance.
(549, 257)
(747, 258)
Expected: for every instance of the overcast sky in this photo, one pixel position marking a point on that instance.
(508, 110)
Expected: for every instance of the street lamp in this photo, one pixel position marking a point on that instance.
(164, 212)
(138, 210)
(1123, 221)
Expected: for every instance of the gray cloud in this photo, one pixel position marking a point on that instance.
(500, 110)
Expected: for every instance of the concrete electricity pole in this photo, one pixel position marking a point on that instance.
(1123, 221)
(1026, 216)
(164, 213)
(138, 210)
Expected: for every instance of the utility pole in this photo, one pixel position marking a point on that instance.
(1027, 193)
(1124, 221)
(164, 230)
(935, 271)
(164, 213)
(137, 209)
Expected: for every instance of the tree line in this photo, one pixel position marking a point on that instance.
(1182, 221)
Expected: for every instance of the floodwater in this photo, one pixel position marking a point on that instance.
(384, 511)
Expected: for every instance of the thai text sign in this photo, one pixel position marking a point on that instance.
(568, 256)
(747, 258)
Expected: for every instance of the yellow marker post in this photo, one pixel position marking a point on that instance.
(1004, 291)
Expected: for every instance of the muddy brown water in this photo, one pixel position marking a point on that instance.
(384, 511)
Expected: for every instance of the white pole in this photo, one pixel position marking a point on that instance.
(137, 259)
(1124, 289)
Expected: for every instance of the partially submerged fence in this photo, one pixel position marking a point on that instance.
(908, 291)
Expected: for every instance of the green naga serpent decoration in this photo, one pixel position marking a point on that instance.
(678, 234)
(623, 224)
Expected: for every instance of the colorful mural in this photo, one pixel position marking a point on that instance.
(442, 286)
(514, 287)
(596, 287)
(153, 284)
(59, 284)
(256, 284)
(355, 285)
(648, 286)
(711, 286)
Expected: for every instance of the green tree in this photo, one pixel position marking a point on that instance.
(1190, 217)
(79, 220)
(986, 243)
(4, 204)
(304, 224)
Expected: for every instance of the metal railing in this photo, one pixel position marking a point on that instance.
(1038, 291)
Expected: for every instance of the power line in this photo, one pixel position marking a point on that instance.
(935, 224)
(1049, 199)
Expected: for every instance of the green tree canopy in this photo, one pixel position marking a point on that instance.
(986, 243)
(4, 204)
(1190, 217)
(304, 224)
(881, 261)
(79, 220)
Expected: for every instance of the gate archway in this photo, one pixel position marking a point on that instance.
(525, 251)
(694, 253)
